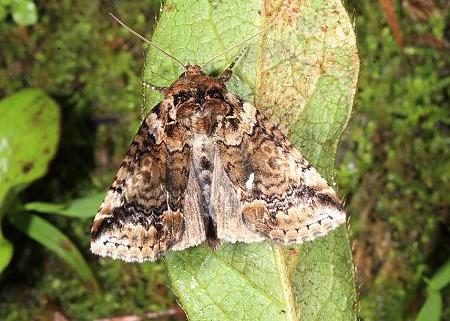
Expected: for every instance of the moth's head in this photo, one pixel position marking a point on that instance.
(196, 86)
(197, 98)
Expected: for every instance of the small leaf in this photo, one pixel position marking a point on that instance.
(49, 236)
(6, 252)
(441, 278)
(48, 208)
(83, 207)
(29, 134)
(432, 309)
(24, 12)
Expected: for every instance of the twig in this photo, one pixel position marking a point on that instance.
(388, 7)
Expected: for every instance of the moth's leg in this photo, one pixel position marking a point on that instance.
(153, 87)
(226, 74)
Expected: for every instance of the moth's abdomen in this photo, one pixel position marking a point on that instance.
(203, 164)
(203, 160)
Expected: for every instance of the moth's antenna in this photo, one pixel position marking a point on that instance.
(147, 41)
(238, 44)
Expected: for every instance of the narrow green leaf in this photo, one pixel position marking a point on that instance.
(24, 12)
(48, 208)
(441, 278)
(49, 236)
(302, 72)
(6, 247)
(82, 207)
(432, 309)
(29, 134)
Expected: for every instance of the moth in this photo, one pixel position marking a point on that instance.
(207, 166)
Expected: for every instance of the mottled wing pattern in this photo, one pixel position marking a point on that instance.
(262, 185)
(147, 211)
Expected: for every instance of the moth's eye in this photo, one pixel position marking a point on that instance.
(180, 97)
(214, 93)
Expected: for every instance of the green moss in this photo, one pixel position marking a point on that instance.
(394, 165)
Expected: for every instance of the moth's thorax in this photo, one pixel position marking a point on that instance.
(198, 100)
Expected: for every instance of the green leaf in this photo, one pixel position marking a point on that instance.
(441, 278)
(6, 252)
(49, 236)
(83, 207)
(24, 12)
(29, 134)
(432, 309)
(302, 72)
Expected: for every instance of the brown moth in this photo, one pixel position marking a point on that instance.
(206, 166)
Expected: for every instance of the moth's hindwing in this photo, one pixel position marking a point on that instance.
(147, 209)
(264, 187)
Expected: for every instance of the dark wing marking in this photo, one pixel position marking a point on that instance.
(264, 187)
(146, 210)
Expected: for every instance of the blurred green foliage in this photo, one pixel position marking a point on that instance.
(393, 165)
(23, 12)
(29, 136)
(69, 53)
